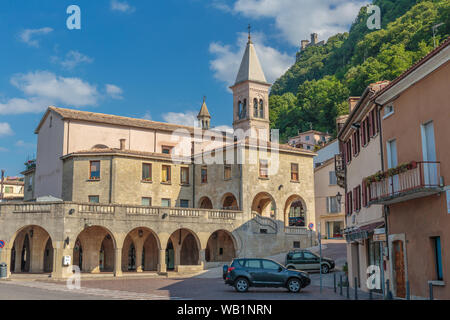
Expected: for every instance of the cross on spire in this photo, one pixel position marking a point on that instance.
(249, 34)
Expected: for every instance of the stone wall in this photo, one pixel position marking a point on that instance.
(64, 222)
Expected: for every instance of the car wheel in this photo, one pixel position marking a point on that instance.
(294, 285)
(325, 269)
(241, 285)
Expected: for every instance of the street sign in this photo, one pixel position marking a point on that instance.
(311, 226)
(2, 244)
(379, 231)
(379, 237)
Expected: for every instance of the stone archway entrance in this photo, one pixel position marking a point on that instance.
(94, 250)
(229, 202)
(140, 251)
(220, 247)
(295, 212)
(32, 251)
(186, 249)
(205, 203)
(264, 205)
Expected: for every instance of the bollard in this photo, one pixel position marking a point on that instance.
(340, 284)
(356, 288)
(408, 291)
(431, 290)
(334, 281)
(388, 291)
(348, 289)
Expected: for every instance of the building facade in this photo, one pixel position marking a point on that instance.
(11, 189)
(413, 187)
(309, 140)
(329, 213)
(116, 194)
(360, 157)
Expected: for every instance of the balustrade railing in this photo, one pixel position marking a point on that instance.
(296, 230)
(419, 175)
(72, 208)
(96, 208)
(32, 208)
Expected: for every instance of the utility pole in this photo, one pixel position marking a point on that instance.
(435, 27)
(1, 185)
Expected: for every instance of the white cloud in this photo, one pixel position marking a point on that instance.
(122, 6)
(114, 91)
(5, 129)
(147, 116)
(23, 144)
(43, 88)
(228, 59)
(27, 36)
(44, 84)
(296, 19)
(189, 118)
(223, 128)
(72, 60)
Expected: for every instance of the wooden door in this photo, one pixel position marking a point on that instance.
(399, 268)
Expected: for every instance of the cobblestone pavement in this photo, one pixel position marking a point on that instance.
(206, 286)
(157, 289)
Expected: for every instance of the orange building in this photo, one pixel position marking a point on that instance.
(413, 186)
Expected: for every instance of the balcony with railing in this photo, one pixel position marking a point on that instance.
(405, 182)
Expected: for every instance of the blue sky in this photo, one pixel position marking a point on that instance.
(140, 58)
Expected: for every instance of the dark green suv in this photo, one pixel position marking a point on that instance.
(306, 260)
(245, 273)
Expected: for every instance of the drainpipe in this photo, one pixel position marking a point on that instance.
(111, 172)
(385, 207)
(193, 173)
(240, 187)
(1, 184)
(193, 184)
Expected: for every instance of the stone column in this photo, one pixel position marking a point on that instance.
(118, 262)
(201, 258)
(176, 256)
(59, 251)
(162, 268)
(138, 246)
(19, 246)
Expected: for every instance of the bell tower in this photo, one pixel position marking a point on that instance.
(251, 94)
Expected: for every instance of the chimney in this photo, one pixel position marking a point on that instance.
(352, 101)
(340, 121)
(122, 144)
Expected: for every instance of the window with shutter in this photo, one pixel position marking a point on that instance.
(328, 204)
(364, 194)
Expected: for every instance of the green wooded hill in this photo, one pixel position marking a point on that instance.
(314, 91)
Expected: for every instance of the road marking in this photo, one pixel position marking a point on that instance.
(114, 294)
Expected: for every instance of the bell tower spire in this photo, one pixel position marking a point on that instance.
(204, 118)
(251, 94)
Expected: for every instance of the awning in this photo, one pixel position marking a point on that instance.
(361, 232)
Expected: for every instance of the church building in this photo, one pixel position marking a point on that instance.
(117, 194)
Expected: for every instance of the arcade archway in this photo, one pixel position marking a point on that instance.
(140, 250)
(94, 250)
(264, 204)
(32, 251)
(220, 247)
